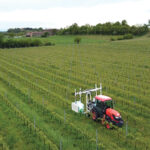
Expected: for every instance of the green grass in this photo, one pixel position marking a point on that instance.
(36, 86)
(69, 39)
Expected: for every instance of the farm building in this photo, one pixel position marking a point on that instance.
(34, 34)
(39, 34)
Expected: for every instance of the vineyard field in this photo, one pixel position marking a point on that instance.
(37, 88)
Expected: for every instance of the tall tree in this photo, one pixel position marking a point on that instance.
(124, 22)
(149, 22)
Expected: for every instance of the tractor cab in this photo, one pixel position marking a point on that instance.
(103, 101)
(104, 107)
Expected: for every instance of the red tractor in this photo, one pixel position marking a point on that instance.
(101, 107)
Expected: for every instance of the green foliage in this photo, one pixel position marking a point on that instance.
(128, 36)
(149, 22)
(148, 35)
(49, 44)
(124, 22)
(112, 39)
(11, 34)
(107, 28)
(35, 43)
(13, 43)
(1, 38)
(18, 30)
(77, 40)
(45, 34)
(120, 38)
(15, 30)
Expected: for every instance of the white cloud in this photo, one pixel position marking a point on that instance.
(135, 12)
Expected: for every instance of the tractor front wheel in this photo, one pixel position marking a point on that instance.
(107, 126)
(103, 119)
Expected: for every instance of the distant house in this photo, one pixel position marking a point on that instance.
(34, 34)
(29, 34)
(39, 34)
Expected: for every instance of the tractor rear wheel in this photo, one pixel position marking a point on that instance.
(94, 115)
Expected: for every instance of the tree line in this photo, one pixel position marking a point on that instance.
(108, 28)
(18, 30)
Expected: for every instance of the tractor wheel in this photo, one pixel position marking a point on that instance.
(103, 119)
(94, 115)
(107, 126)
(87, 115)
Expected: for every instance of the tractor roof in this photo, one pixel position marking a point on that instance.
(103, 98)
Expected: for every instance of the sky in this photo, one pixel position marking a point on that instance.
(62, 13)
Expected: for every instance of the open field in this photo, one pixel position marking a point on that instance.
(37, 85)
